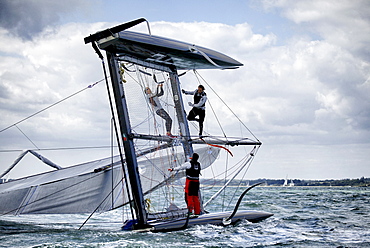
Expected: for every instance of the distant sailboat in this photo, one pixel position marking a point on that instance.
(291, 184)
(285, 181)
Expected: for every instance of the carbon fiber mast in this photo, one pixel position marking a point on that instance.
(124, 122)
(128, 143)
(180, 113)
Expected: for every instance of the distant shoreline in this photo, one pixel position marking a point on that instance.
(359, 182)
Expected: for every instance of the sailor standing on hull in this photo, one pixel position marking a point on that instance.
(199, 106)
(192, 183)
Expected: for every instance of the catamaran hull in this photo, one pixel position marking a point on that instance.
(210, 218)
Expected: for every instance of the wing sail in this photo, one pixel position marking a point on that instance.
(139, 48)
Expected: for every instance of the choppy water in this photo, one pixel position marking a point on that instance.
(304, 217)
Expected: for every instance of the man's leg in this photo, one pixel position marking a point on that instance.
(162, 113)
(196, 205)
(192, 114)
(202, 115)
(190, 204)
(193, 200)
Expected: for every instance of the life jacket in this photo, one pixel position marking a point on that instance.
(198, 96)
(194, 171)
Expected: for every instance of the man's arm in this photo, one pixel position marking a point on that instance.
(159, 90)
(185, 166)
(188, 92)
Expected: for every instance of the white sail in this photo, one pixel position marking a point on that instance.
(76, 189)
(84, 188)
(285, 181)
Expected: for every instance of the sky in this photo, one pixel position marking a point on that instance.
(303, 90)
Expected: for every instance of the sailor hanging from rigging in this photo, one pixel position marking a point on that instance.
(157, 107)
(199, 106)
(192, 183)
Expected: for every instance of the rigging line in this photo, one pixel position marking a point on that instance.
(129, 196)
(192, 122)
(218, 121)
(144, 72)
(61, 148)
(226, 105)
(168, 91)
(134, 79)
(112, 154)
(145, 120)
(27, 137)
(248, 158)
(213, 111)
(144, 154)
(235, 166)
(225, 180)
(253, 153)
(218, 146)
(232, 169)
(101, 203)
(155, 166)
(125, 67)
(141, 83)
(150, 108)
(42, 110)
(157, 124)
(30, 192)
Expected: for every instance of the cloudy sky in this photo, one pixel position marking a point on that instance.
(304, 89)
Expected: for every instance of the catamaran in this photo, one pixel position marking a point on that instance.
(138, 61)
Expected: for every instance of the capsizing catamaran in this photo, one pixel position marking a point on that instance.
(137, 61)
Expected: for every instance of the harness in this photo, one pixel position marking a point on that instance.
(198, 96)
(194, 171)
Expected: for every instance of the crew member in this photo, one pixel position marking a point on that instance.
(157, 107)
(200, 98)
(192, 183)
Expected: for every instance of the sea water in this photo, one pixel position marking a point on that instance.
(303, 217)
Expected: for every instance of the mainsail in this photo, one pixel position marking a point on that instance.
(94, 186)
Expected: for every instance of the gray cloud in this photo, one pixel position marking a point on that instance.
(307, 99)
(28, 18)
(350, 31)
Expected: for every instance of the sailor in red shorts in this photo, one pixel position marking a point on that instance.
(192, 183)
